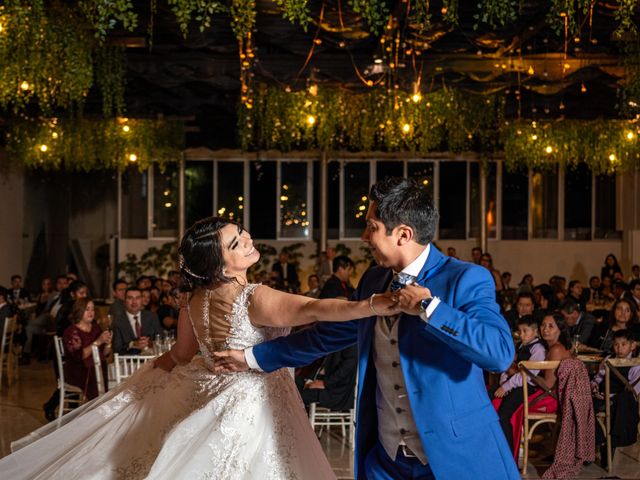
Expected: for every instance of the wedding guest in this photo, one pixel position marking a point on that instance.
(74, 291)
(17, 293)
(451, 252)
(476, 255)
(287, 279)
(324, 268)
(119, 289)
(524, 306)
(623, 316)
(78, 339)
(168, 311)
(46, 291)
(313, 281)
(610, 267)
(338, 286)
(487, 262)
(134, 331)
(635, 273)
(526, 284)
(634, 292)
(578, 294)
(579, 324)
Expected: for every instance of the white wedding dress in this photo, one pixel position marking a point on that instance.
(187, 424)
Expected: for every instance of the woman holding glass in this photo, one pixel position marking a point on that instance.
(78, 340)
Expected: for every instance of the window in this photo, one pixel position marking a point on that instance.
(422, 172)
(294, 211)
(515, 197)
(263, 186)
(165, 200)
(577, 203)
(230, 202)
(198, 184)
(387, 169)
(605, 202)
(544, 203)
(135, 194)
(453, 199)
(356, 193)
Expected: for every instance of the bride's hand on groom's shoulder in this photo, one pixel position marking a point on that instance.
(228, 361)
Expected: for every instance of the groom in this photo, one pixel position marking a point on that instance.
(423, 410)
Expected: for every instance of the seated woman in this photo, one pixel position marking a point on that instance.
(623, 316)
(78, 339)
(554, 332)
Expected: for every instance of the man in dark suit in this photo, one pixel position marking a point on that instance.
(287, 278)
(17, 293)
(579, 323)
(338, 286)
(134, 331)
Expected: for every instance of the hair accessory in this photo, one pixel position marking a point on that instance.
(184, 267)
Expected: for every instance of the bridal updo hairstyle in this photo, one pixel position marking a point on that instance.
(402, 201)
(200, 252)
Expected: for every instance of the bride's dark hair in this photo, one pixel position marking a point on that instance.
(200, 254)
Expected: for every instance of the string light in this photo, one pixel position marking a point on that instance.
(534, 137)
(43, 148)
(126, 128)
(612, 158)
(24, 85)
(406, 127)
(416, 97)
(133, 157)
(630, 135)
(583, 88)
(311, 119)
(549, 149)
(54, 135)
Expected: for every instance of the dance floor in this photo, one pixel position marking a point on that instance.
(21, 412)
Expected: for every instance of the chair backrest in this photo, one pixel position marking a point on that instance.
(97, 365)
(59, 347)
(612, 365)
(7, 335)
(526, 368)
(127, 364)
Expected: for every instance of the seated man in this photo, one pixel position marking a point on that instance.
(580, 324)
(524, 306)
(133, 331)
(334, 383)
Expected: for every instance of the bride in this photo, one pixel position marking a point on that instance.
(176, 418)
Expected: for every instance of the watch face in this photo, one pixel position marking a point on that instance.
(425, 303)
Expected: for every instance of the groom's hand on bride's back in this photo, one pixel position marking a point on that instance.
(228, 361)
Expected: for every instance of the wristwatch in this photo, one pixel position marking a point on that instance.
(424, 304)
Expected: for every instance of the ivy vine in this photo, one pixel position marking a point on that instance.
(81, 144)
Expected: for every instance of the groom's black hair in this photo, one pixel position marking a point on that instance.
(402, 201)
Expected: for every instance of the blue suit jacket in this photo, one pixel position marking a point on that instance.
(442, 363)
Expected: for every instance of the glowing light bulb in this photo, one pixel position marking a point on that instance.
(126, 128)
(416, 97)
(583, 88)
(534, 137)
(133, 157)
(630, 136)
(43, 148)
(612, 158)
(24, 85)
(311, 119)
(54, 135)
(531, 71)
(406, 127)
(549, 149)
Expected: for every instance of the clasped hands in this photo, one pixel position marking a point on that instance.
(406, 300)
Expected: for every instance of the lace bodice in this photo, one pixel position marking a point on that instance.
(242, 333)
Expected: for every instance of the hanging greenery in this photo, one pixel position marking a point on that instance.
(445, 120)
(81, 144)
(45, 57)
(389, 120)
(110, 76)
(605, 145)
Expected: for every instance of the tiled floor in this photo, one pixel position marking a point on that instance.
(21, 412)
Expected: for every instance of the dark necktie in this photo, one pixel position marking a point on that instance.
(138, 327)
(399, 280)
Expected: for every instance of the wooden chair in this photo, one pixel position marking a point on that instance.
(611, 366)
(8, 359)
(70, 395)
(97, 365)
(125, 365)
(538, 418)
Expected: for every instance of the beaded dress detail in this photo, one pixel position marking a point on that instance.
(190, 423)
